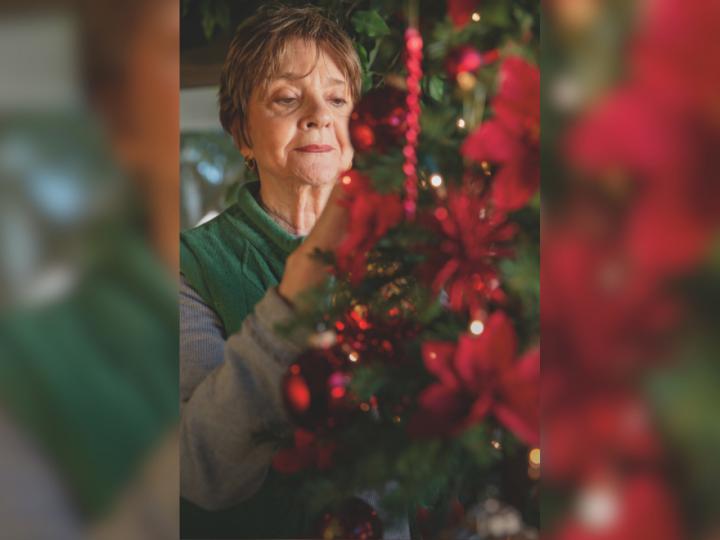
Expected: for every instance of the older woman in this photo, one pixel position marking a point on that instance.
(288, 87)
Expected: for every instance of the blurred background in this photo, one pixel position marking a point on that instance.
(211, 167)
(630, 275)
(89, 201)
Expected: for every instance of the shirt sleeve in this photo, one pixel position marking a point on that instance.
(33, 500)
(229, 390)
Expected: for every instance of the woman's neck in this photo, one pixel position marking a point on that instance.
(295, 207)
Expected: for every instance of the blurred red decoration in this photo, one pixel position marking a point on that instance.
(306, 453)
(413, 63)
(663, 146)
(474, 238)
(639, 507)
(477, 377)
(511, 139)
(626, 315)
(379, 122)
(371, 215)
(375, 339)
(591, 433)
(467, 59)
(460, 11)
(315, 390)
(354, 520)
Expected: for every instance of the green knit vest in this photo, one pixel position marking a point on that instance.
(231, 261)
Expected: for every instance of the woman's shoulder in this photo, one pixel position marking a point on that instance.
(226, 235)
(214, 226)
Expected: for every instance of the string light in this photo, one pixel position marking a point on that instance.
(475, 16)
(534, 457)
(436, 180)
(466, 81)
(534, 464)
(346, 180)
(496, 444)
(460, 123)
(353, 356)
(477, 327)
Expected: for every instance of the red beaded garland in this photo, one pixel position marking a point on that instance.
(413, 59)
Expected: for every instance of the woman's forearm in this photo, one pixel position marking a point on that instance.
(221, 464)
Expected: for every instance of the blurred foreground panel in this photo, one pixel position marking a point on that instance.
(88, 233)
(631, 269)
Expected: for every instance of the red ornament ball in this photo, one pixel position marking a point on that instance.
(354, 520)
(378, 123)
(467, 59)
(315, 390)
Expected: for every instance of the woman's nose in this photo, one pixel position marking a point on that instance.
(316, 116)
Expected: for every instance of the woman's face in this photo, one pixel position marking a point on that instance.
(298, 126)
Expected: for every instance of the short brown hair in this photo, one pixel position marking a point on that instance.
(259, 42)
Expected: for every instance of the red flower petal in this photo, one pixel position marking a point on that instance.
(461, 10)
(526, 427)
(438, 358)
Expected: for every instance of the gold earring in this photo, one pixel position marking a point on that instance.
(249, 163)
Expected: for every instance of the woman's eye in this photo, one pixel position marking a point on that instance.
(338, 101)
(285, 100)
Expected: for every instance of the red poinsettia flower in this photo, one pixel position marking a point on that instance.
(460, 11)
(511, 139)
(477, 377)
(473, 238)
(371, 215)
(306, 453)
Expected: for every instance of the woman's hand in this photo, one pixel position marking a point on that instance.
(302, 271)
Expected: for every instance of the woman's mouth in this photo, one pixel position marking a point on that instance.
(315, 148)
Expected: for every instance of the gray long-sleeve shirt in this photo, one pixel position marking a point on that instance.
(229, 389)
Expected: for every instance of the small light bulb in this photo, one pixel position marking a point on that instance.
(436, 180)
(461, 123)
(496, 444)
(346, 180)
(534, 457)
(477, 327)
(466, 81)
(475, 16)
(353, 356)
